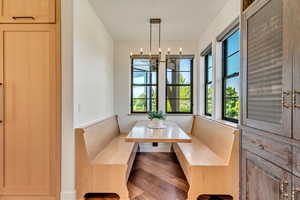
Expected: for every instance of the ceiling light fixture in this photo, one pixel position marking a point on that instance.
(153, 22)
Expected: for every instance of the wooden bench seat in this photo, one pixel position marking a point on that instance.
(211, 161)
(103, 159)
(198, 154)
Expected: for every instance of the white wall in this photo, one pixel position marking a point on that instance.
(68, 147)
(226, 16)
(93, 66)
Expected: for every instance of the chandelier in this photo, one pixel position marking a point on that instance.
(155, 22)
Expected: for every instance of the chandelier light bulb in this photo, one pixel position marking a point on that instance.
(155, 22)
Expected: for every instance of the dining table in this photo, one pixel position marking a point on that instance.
(170, 132)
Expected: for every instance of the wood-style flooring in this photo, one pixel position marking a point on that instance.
(155, 176)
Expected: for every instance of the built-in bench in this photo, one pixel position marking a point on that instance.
(103, 159)
(211, 161)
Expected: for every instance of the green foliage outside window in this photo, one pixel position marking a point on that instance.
(232, 104)
(209, 100)
(184, 98)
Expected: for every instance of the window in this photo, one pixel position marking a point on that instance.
(179, 84)
(231, 64)
(208, 84)
(144, 90)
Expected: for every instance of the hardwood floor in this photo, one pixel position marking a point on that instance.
(155, 176)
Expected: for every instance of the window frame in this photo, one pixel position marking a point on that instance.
(225, 76)
(145, 85)
(192, 57)
(206, 82)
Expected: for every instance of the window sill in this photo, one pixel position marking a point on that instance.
(228, 123)
(170, 114)
(137, 114)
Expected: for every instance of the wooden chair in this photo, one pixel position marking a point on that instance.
(211, 161)
(103, 159)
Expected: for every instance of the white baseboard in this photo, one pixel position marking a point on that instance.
(68, 195)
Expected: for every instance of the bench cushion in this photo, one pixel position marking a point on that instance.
(198, 154)
(117, 152)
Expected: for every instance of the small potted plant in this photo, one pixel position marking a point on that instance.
(157, 119)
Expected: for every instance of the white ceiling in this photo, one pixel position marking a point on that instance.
(181, 19)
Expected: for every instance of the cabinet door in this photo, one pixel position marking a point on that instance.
(27, 11)
(296, 188)
(29, 155)
(294, 20)
(267, 68)
(263, 180)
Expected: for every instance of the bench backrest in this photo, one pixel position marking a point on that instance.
(98, 135)
(218, 137)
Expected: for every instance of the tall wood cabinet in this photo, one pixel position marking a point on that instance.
(270, 119)
(30, 113)
(28, 11)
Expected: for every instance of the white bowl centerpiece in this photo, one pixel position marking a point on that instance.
(157, 119)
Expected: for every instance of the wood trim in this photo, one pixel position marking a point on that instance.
(2, 144)
(93, 123)
(57, 19)
(206, 50)
(254, 7)
(231, 28)
(187, 56)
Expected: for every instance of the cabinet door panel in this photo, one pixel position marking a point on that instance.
(27, 11)
(30, 154)
(296, 160)
(278, 152)
(294, 20)
(296, 188)
(263, 180)
(267, 67)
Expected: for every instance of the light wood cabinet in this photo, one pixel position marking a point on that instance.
(27, 11)
(29, 134)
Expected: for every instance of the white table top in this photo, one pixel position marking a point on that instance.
(171, 134)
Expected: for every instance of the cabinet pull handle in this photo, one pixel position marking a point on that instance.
(23, 17)
(295, 93)
(283, 99)
(261, 146)
(284, 190)
(295, 192)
